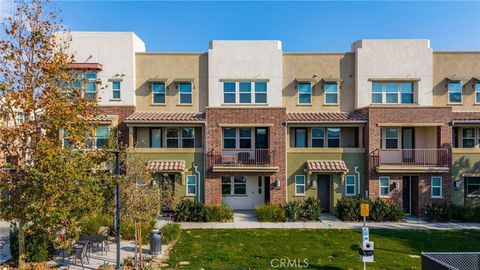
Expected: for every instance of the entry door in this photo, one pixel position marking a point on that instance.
(407, 194)
(408, 144)
(255, 190)
(323, 191)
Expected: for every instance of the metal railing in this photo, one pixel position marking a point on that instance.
(413, 157)
(241, 157)
(450, 260)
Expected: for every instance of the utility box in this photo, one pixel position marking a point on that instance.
(155, 242)
(366, 251)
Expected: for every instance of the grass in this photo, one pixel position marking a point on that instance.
(324, 249)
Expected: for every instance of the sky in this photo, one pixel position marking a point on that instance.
(301, 26)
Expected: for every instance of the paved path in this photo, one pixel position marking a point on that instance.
(4, 242)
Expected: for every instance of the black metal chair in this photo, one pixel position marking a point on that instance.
(79, 252)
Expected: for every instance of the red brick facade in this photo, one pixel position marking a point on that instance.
(273, 118)
(122, 112)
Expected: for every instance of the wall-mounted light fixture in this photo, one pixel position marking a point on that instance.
(313, 183)
(456, 184)
(277, 183)
(397, 185)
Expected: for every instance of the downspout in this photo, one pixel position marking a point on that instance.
(355, 168)
(195, 167)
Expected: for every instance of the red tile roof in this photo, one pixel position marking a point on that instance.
(103, 118)
(166, 165)
(327, 166)
(466, 115)
(166, 117)
(85, 66)
(326, 117)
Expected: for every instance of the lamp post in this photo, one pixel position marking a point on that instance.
(116, 172)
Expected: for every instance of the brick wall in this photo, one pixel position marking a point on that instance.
(122, 112)
(273, 118)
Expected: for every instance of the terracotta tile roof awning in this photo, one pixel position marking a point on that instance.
(85, 66)
(165, 117)
(326, 166)
(326, 117)
(461, 118)
(166, 165)
(103, 118)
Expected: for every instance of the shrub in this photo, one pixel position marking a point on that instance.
(311, 209)
(170, 232)
(348, 208)
(270, 213)
(36, 244)
(439, 211)
(395, 213)
(379, 210)
(218, 213)
(189, 210)
(127, 230)
(90, 224)
(467, 214)
(293, 210)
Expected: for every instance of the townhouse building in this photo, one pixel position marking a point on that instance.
(247, 123)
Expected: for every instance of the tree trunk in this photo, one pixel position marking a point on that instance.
(21, 246)
(135, 247)
(140, 245)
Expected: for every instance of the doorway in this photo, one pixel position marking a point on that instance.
(323, 191)
(267, 188)
(408, 144)
(407, 194)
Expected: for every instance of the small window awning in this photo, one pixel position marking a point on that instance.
(456, 78)
(326, 166)
(85, 66)
(166, 165)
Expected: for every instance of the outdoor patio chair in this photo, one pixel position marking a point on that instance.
(100, 240)
(80, 253)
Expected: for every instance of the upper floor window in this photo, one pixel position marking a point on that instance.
(304, 93)
(331, 93)
(333, 137)
(468, 137)
(116, 87)
(477, 92)
(158, 93)
(155, 138)
(455, 92)
(101, 136)
(185, 92)
(99, 139)
(301, 137)
(91, 86)
(320, 137)
(389, 138)
(248, 92)
(392, 93)
(245, 138)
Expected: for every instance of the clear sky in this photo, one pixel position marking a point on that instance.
(301, 26)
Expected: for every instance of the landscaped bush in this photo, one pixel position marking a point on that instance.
(270, 213)
(448, 212)
(395, 213)
(218, 213)
(170, 232)
(36, 244)
(127, 230)
(348, 209)
(379, 210)
(90, 224)
(293, 210)
(311, 209)
(189, 211)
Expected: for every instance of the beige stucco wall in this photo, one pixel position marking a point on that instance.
(326, 66)
(171, 66)
(464, 65)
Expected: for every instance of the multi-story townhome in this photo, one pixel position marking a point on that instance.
(246, 123)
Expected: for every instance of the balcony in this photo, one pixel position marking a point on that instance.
(412, 160)
(242, 160)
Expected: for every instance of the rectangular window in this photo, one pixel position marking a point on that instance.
(239, 185)
(406, 92)
(350, 185)
(226, 185)
(245, 137)
(188, 140)
(299, 184)
(158, 93)
(333, 137)
(391, 138)
(377, 96)
(67, 143)
(116, 87)
(331, 93)
(101, 136)
(455, 92)
(229, 93)
(91, 86)
(185, 93)
(172, 137)
(477, 92)
(261, 92)
(301, 137)
(318, 137)
(20, 117)
(436, 186)
(468, 137)
(155, 137)
(304, 93)
(245, 92)
(229, 138)
(391, 92)
(384, 186)
(191, 184)
(473, 186)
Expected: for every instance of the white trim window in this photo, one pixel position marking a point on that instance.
(91, 86)
(172, 137)
(234, 185)
(116, 89)
(180, 137)
(158, 93)
(245, 92)
(468, 137)
(350, 185)
(185, 93)
(333, 137)
(261, 92)
(391, 139)
(384, 186)
(191, 185)
(472, 187)
(101, 136)
(455, 92)
(477, 92)
(299, 184)
(304, 93)
(436, 186)
(318, 137)
(237, 138)
(188, 137)
(229, 93)
(331, 93)
(391, 92)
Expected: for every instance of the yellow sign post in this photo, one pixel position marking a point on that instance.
(364, 210)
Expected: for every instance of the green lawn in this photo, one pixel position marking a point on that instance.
(324, 249)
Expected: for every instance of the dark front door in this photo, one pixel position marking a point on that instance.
(408, 144)
(267, 189)
(323, 191)
(407, 199)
